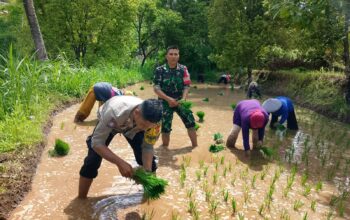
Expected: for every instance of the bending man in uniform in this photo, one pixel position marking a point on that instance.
(138, 121)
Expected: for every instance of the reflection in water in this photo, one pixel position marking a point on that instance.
(107, 208)
(294, 153)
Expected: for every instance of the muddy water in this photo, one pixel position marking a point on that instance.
(318, 154)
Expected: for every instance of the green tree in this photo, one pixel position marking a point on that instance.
(87, 29)
(237, 32)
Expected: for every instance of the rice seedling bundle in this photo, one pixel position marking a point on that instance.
(153, 186)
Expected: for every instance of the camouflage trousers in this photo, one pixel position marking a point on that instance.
(168, 114)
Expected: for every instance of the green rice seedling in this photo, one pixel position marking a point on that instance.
(224, 172)
(341, 208)
(191, 206)
(330, 215)
(214, 148)
(263, 174)
(196, 126)
(213, 205)
(225, 195)
(186, 105)
(153, 186)
(304, 178)
(186, 160)
(319, 186)
(200, 115)
(207, 195)
(276, 176)
(334, 200)
(222, 160)
(233, 106)
(229, 166)
(261, 209)
(254, 181)
(233, 205)
(62, 125)
(190, 193)
(216, 166)
(297, 205)
(246, 194)
(134, 93)
(285, 215)
(271, 191)
(307, 190)
(240, 216)
(215, 178)
(182, 178)
(233, 180)
(313, 205)
(148, 215)
(205, 170)
(305, 216)
(198, 175)
(142, 88)
(175, 216)
(201, 164)
(61, 148)
(267, 152)
(205, 100)
(218, 137)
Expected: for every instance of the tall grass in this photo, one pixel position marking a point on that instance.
(31, 89)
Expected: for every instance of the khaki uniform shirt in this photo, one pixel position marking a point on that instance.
(115, 116)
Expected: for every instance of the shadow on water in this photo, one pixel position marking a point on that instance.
(167, 155)
(103, 207)
(255, 161)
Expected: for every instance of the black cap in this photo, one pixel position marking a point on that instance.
(152, 110)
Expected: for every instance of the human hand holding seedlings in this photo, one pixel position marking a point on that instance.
(172, 102)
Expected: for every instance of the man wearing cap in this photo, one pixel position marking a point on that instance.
(138, 121)
(281, 106)
(101, 91)
(171, 84)
(248, 115)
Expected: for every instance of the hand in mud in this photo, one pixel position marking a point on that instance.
(173, 103)
(125, 169)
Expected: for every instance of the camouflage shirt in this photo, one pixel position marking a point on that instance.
(172, 81)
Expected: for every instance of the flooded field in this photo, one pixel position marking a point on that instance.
(307, 178)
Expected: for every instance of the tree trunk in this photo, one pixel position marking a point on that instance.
(35, 29)
(346, 54)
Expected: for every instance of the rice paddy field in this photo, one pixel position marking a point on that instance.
(306, 176)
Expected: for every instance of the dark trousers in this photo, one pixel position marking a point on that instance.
(92, 161)
(292, 123)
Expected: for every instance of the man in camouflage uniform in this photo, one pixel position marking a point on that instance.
(171, 84)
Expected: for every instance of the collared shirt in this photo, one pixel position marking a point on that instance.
(172, 81)
(116, 117)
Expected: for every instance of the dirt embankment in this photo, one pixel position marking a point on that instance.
(19, 168)
(322, 93)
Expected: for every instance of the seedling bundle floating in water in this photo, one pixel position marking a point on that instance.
(214, 148)
(61, 148)
(205, 100)
(196, 126)
(218, 138)
(233, 106)
(153, 186)
(200, 115)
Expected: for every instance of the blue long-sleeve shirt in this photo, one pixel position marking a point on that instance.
(242, 118)
(286, 108)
